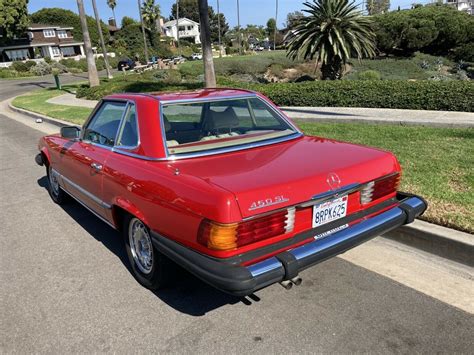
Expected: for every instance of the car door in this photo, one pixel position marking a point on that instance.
(86, 157)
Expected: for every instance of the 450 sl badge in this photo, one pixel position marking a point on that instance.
(267, 202)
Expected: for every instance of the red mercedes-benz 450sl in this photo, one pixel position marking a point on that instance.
(221, 182)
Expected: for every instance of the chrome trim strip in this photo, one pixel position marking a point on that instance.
(85, 192)
(264, 266)
(345, 190)
(91, 210)
(346, 234)
(236, 147)
(119, 150)
(198, 100)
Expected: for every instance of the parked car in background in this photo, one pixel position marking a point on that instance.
(196, 56)
(221, 182)
(178, 59)
(125, 64)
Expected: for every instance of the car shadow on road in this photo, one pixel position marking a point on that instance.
(186, 293)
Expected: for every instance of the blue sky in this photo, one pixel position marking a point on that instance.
(251, 11)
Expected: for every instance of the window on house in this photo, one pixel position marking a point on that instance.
(68, 51)
(62, 34)
(18, 54)
(190, 28)
(56, 51)
(49, 33)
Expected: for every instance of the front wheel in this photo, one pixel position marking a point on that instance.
(55, 191)
(150, 268)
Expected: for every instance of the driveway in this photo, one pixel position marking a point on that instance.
(66, 287)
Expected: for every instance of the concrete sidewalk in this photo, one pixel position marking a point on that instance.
(342, 114)
(382, 115)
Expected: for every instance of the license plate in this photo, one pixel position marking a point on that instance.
(329, 211)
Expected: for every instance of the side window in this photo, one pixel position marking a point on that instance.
(103, 127)
(128, 136)
(263, 116)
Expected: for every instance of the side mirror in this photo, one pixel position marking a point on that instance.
(70, 132)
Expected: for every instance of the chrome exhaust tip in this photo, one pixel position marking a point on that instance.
(297, 280)
(287, 284)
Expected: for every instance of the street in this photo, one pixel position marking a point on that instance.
(66, 286)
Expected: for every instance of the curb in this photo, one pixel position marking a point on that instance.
(54, 121)
(445, 242)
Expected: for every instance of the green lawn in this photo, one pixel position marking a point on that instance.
(437, 164)
(36, 102)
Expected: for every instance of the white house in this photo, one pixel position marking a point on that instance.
(188, 29)
(462, 5)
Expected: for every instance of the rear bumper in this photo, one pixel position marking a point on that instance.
(244, 280)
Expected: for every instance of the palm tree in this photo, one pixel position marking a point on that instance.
(101, 39)
(209, 73)
(143, 31)
(91, 68)
(334, 31)
(113, 4)
(151, 14)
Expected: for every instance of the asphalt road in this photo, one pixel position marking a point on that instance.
(66, 287)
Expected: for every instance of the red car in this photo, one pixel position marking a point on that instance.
(221, 182)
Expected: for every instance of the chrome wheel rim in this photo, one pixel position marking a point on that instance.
(53, 181)
(140, 245)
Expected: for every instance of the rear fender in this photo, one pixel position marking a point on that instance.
(128, 207)
(47, 158)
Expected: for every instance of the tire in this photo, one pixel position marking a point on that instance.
(55, 191)
(152, 270)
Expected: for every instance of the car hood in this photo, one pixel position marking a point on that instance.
(288, 173)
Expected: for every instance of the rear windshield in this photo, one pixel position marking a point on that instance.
(196, 127)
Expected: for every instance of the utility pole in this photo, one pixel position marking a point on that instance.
(177, 25)
(143, 31)
(101, 38)
(219, 28)
(91, 68)
(276, 26)
(238, 26)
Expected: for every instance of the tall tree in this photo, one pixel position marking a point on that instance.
(375, 7)
(333, 32)
(101, 39)
(293, 19)
(91, 68)
(145, 47)
(13, 18)
(271, 27)
(209, 73)
(113, 4)
(189, 9)
(151, 15)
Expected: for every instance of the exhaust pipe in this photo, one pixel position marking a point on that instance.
(297, 280)
(287, 284)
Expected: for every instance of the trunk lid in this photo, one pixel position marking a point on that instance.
(285, 174)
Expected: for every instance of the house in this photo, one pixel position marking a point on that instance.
(188, 29)
(462, 5)
(41, 41)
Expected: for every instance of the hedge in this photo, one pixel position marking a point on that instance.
(400, 94)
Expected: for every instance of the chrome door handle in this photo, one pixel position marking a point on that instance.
(96, 166)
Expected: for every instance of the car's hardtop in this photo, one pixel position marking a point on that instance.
(202, 94)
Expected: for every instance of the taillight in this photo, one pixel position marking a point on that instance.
(220, 236)
(379, 188)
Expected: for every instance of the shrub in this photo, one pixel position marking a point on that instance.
(369, 75)
(59, 68)
(416, 95)
(41, 68)
(30, 63)
(74, 70)
(6, 73)
(20, 67)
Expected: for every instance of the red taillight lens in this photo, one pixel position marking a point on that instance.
(219, 236)
(379, 188)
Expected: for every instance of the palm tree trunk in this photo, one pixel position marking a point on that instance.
(115, 18)
(238, 26)
(276, 26)
(177, 25)
(209, 74)
(219, 28)
(91, 68)
(143, 31)
(101, 38)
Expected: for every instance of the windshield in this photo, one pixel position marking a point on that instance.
(195, 127)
